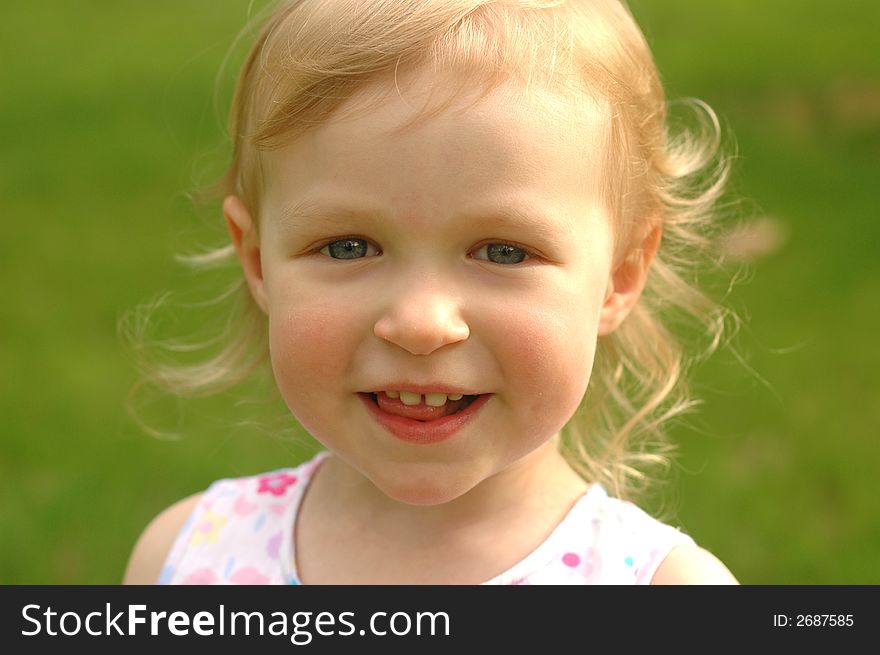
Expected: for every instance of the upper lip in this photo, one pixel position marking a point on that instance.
(439, 387)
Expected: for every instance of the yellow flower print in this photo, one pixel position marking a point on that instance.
(207, 530)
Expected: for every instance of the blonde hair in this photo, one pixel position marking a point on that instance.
(313, 55)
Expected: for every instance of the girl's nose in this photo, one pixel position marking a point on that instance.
(422, 322)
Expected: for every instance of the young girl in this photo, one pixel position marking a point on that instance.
(449, 216)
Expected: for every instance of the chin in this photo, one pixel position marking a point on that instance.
(421, 490)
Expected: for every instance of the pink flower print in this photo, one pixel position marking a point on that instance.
(248, 575)
(243, 507)
(648, 566)
(276, 483)
(589, 563)
(571, 559)
(207, 530)
(579, 565)
(201, 576)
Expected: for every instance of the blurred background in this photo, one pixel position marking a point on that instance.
(112, 114)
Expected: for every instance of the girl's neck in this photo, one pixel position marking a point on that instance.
(468, 540)
(541, 483)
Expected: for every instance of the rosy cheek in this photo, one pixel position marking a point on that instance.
(309, 348)
(548, 356)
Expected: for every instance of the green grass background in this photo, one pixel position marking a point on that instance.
(108, 121)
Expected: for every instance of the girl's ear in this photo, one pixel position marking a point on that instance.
(247, 245)
(626, 283)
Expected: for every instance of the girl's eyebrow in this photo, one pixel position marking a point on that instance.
(519, 217)
(306, 215)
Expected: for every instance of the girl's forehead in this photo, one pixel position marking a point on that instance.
(419, 109)
(412, 99)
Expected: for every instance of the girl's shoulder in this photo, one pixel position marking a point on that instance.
(677, 558)
(151, 549)
(224, 504)
(606, 540)
(690, 564)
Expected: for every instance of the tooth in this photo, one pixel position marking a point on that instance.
(435, 399)
(409, 398)
(455, 396)
(392, 394)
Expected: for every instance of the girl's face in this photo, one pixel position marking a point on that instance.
(469, 253)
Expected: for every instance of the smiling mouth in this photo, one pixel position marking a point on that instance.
(422, 424)
(422, 411)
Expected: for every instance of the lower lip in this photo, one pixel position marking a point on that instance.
(424, 432)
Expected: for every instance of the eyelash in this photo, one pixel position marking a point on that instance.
(528, 255)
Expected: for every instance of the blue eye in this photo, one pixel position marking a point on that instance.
(503, 253)
(349, 248)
